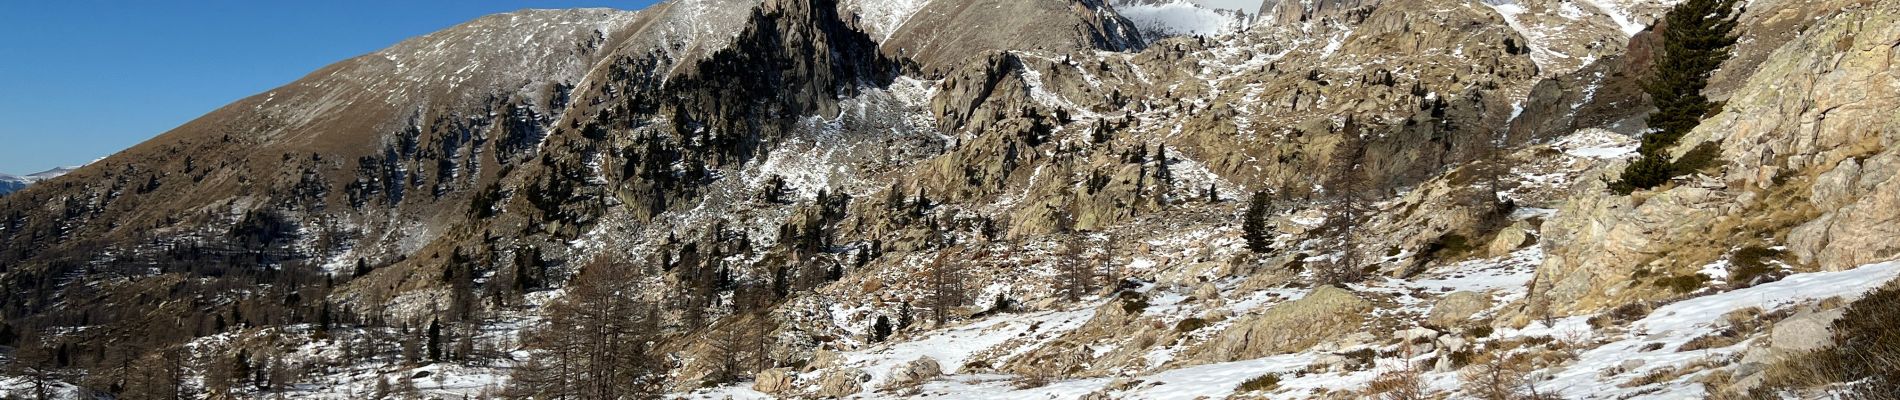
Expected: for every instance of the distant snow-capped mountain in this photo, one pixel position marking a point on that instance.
(10, 184)
(1166, 18)
(13, 183)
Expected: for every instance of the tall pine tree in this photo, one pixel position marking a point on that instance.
(1696, 40)
(1254, 224)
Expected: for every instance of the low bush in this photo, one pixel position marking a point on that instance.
(1133, 303)
(1479, 331)
(1190, 325)
(1753, 265)
(1683, 284)
(1624, 314)
(1259, 383)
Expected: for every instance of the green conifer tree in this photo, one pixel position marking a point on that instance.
(1254, 224)
(1696, 40)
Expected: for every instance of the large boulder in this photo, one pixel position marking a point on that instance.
(1328, 312)
(842, 382)
(1803, 332)
(1457, 308)
(822, 359)
(1509, 239)
(914, 373)
(1207, 292)
(774, 381)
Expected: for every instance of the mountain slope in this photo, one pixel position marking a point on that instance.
(807, 198)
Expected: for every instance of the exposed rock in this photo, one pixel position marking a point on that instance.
(914, 373)
(1623, 234)
(1453, 342)
(1072, 352)
(1509, 239)
(1808, 151)
(1804, 332)
(839, 383)
(1837, 130)
(1419, 334)
(774, 381)
(822, 359)
(939, 36)
(1325, 313)
(1444, 364)
(1329, 361)
(1207, 292)
(1456, 308)
(1216, 315)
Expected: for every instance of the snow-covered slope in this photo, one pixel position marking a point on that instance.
(1165, 18)
(882, 18)
(10, 183)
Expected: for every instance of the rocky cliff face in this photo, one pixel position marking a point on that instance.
(883, 198)
(1794, 174)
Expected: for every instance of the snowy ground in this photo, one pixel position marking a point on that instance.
(1602, 367)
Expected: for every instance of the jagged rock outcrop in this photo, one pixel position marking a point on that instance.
(825, 186)
(1795, 172)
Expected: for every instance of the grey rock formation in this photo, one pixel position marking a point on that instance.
(1457, 308)
(1325, 313)
(916, 372)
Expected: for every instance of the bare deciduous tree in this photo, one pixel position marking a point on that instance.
(945, 286)
(1351, 189)
(598, 342)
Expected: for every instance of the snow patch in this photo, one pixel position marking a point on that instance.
(1179, 18)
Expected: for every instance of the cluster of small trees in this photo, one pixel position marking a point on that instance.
(598, 342)
(1350, 190)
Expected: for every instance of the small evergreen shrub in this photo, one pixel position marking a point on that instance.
(1620, 315)
(1259, 383)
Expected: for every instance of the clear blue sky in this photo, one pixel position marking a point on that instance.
(82, 79)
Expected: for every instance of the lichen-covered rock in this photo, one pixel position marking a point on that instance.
(1457, 308)
(1804, 332)
(1207, 292)
(1325, 313)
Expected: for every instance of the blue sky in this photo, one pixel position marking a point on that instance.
(82, 79)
